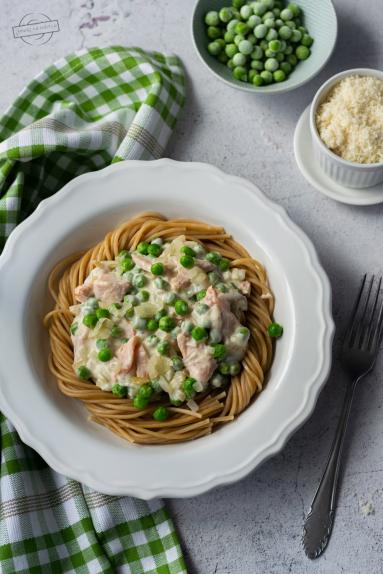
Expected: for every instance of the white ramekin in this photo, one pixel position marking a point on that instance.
(347, 173)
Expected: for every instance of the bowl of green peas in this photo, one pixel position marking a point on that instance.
(264, 46)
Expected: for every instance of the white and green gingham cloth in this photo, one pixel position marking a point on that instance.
(88, 110)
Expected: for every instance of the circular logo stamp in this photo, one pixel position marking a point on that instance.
(35, 29)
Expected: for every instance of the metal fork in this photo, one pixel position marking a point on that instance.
(359, 352)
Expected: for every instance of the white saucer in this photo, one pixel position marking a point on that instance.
(311, 170)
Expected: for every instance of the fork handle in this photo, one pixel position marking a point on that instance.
(319, 522)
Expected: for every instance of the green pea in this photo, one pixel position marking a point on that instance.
(160, 314)
(154, 249)
(188, 386)
(302, 52)
(160, 283)
(157, 240)
(266, 76)
(269, 22)
(259, 8)
(280, 57)
(166, 324)
(235, 369)
(140, 280)
(131, 300)
(73, 328)
(270, 54)
(287, 14)
(241, 28)
(181, 307)
(275, 330)
(224, 369)
(214, 48)
(201, 294)
(102, 343)
(286, 67)
(225, 15)
(238, 38)
(271, 35)
(214, 277)
(279, 23)
(160, 414)
(116, 331)
(187, 326)
(199, 333)
(124, 254)
(175, 402)
(187, 261)
(145, 391)
(245, 47)
(213, 32)
(271, 64)
(292, 60)
(244, 332)
(231, 50)
(119, 391)
(307, 40)
(143, 296)
(231, 25)
(171, 298)
(152, 325)
(257, 65)
(157, 269)
(178, 363)
(219, 352)
(212, 18)
(152, 340)
(245, 12)
(290, 24)
(239, 59)
(285, 32)
(294, 9)
(90, 320)
(258, 80)
(186, 250)
(213, 257)
(275, 45)
(257, 53)
(126, 265)
(230, 64)
(163, 348)
(229, 38)
(222, 287)
(83, 373)
(105, 355)
(142, 247)
(254, 21)
(140, 402)
(296, 37)
(260, 31)
(279, 76)
(129, 313)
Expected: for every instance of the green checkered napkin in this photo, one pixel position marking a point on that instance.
(88, 110)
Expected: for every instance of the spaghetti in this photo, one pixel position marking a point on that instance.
(213, 408)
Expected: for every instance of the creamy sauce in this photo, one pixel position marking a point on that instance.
(199, 334)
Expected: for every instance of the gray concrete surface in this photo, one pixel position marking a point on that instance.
(255, 525)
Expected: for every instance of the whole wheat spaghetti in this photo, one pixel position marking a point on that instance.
(212, 408)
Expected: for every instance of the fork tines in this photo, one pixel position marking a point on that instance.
(365, 330)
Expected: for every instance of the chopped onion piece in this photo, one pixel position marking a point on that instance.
(192, 405)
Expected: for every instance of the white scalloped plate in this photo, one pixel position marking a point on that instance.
(58, 428)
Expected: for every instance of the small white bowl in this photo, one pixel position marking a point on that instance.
(350, 174)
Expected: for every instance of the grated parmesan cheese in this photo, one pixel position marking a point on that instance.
(350, 120)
